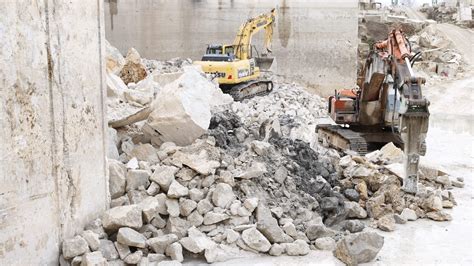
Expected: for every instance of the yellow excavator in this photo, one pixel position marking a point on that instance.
(237, 66)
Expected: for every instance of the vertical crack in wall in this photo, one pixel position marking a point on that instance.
(101, 32)
(55, 167)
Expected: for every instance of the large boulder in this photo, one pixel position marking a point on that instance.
(358, 248)
(182, 109)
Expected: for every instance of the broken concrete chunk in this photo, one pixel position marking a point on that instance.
(386, 223)
(269, 226)
(358, 248)
(196, 241)
(409, 214)
(260, 147)
(256, 170)
(122, 216)
(107, 248)
(130, 237)
(223, 195)
(75, 246)
(160, 243)
(172, 207)
(297, 248)
(186, 206)
(256, 240)
(122, 250)
(92, 239)
(325, 243)
(354, 210)
(164, 176)
(276, 250)
(198, 162)
(176, 190)
(175, 251)
(93, 259)
(137, 178)
(117, 180)
(145, 152)
(134, 258)
(213, 217)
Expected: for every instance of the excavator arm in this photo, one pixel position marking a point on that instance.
(243, 40)
(413, 111)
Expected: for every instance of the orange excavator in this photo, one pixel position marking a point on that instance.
(387, 106)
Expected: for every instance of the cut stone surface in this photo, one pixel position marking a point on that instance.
(122, 216)
(358, 248)
(131, 238)
(223, 195)
(74, 247)
(256, 240)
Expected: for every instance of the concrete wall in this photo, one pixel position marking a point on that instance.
(315, 41)
(52, 167)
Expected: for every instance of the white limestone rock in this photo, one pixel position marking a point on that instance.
(182, 109)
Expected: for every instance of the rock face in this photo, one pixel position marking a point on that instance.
(181, 112)
(256, 240)
(133, 70)
(358, 248)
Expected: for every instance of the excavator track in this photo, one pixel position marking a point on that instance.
(251, 89)
(341, 138)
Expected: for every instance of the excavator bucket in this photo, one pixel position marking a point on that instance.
(264, 63)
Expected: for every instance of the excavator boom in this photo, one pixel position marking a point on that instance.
(389, 106)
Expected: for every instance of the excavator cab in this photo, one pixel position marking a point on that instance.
(219, 52)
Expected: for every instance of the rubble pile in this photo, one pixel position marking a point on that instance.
(254, 180)
(441, 13)
(438, 60)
